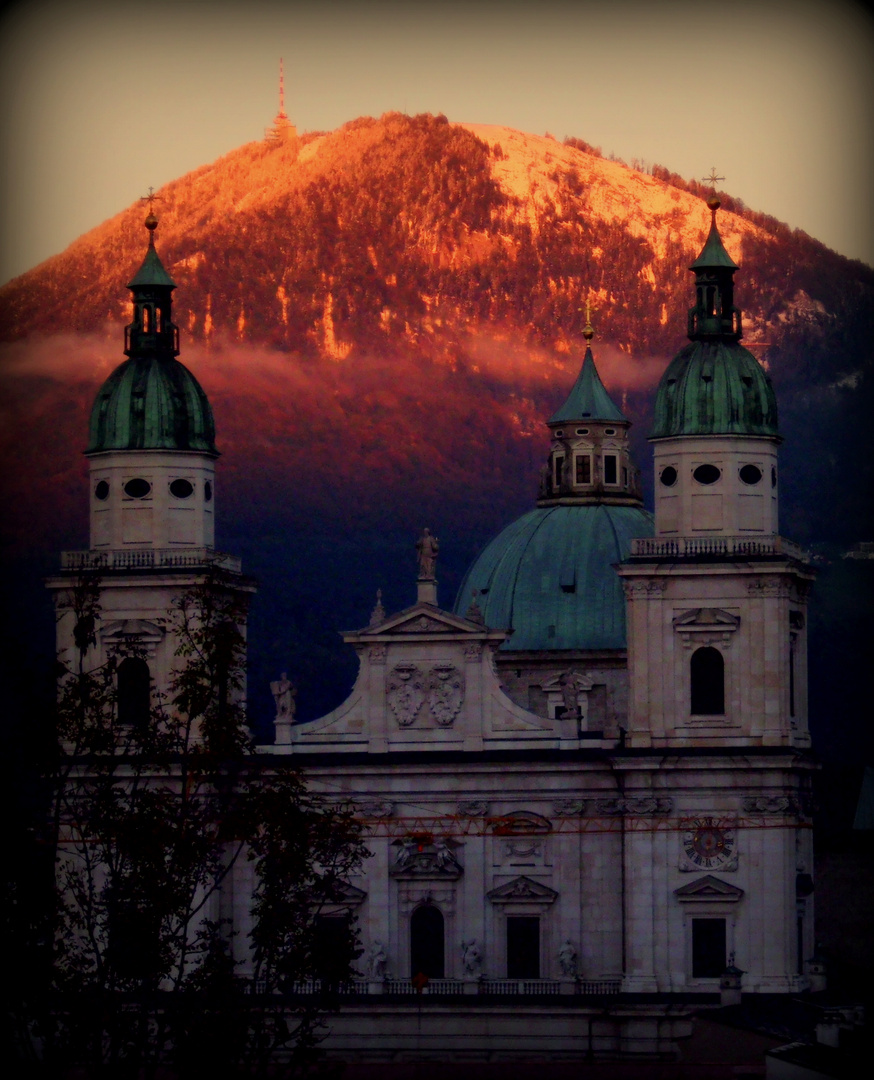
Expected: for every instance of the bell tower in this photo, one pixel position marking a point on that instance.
(717, 653)
(151, 457)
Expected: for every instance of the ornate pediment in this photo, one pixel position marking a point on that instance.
(708, 888)
(345, 897)
(422, 619)
(706, 626)
(127, 634)
(426, 857)
(523, 890)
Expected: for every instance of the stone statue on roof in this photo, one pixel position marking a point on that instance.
(427, 547)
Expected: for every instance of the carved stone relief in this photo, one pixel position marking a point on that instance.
(569, 807)
(405, 692)
(409, 687)
(445, 687)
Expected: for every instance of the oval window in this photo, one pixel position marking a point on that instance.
(668, 476)
(582, 431)
(609, 430)
(137, 488)
(207, 491)
(707, 474)
(773, 476)
(559, 434)
(101, 492)
(750, 474)
(181, 489)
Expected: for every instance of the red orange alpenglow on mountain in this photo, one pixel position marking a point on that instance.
(384, 315)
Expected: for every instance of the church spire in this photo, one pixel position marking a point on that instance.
(152, 331)
(714, 316)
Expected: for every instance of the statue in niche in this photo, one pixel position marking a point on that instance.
(377, 961)
(471, 957)
(427, 547)
(569, 683)
(567, 960)
(284, 694)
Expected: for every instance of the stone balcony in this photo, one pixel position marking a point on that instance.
(151, 559)
(691, 547)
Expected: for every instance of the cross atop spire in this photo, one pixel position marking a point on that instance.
(712, 179)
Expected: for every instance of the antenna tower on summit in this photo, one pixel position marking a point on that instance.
(281, 112)
(283, 131)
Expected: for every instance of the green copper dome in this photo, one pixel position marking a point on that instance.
(151, 403)
(550, 577)
(714, 388)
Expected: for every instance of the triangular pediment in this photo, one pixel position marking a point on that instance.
(709, 888)
(523, 890)
(422, 619)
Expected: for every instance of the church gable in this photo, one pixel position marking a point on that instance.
(421, 619)
(708, 888)
(523, 890)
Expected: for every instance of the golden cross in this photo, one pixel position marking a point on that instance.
(712, 179)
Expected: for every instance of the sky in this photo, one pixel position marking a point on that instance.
(100, 99)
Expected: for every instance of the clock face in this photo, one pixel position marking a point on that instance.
(708, 844)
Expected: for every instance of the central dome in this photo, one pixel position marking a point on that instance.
(550, 577)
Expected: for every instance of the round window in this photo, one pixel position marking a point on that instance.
(137, 488)
(707, 474)
(582, 431)
(181, 489)
(668, 476)
(559, 434)
(207, 491)
(773, 476)
(750, 474)
(101, 491)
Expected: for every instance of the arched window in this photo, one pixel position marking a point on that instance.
(146, 319)
(708, 682)
(133, 692)
(426, 942)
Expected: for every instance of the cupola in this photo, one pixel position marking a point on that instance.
(714, 386)
(589, 460)
(549, 575)
(151, 402)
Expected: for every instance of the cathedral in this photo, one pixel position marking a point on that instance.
(586, 782)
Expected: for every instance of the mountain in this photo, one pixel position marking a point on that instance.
(383, 316)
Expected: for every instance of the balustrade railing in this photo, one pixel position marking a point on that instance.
(403, 987)
(149, 559)
(434, 986)
(520, 986)
(685, 547)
